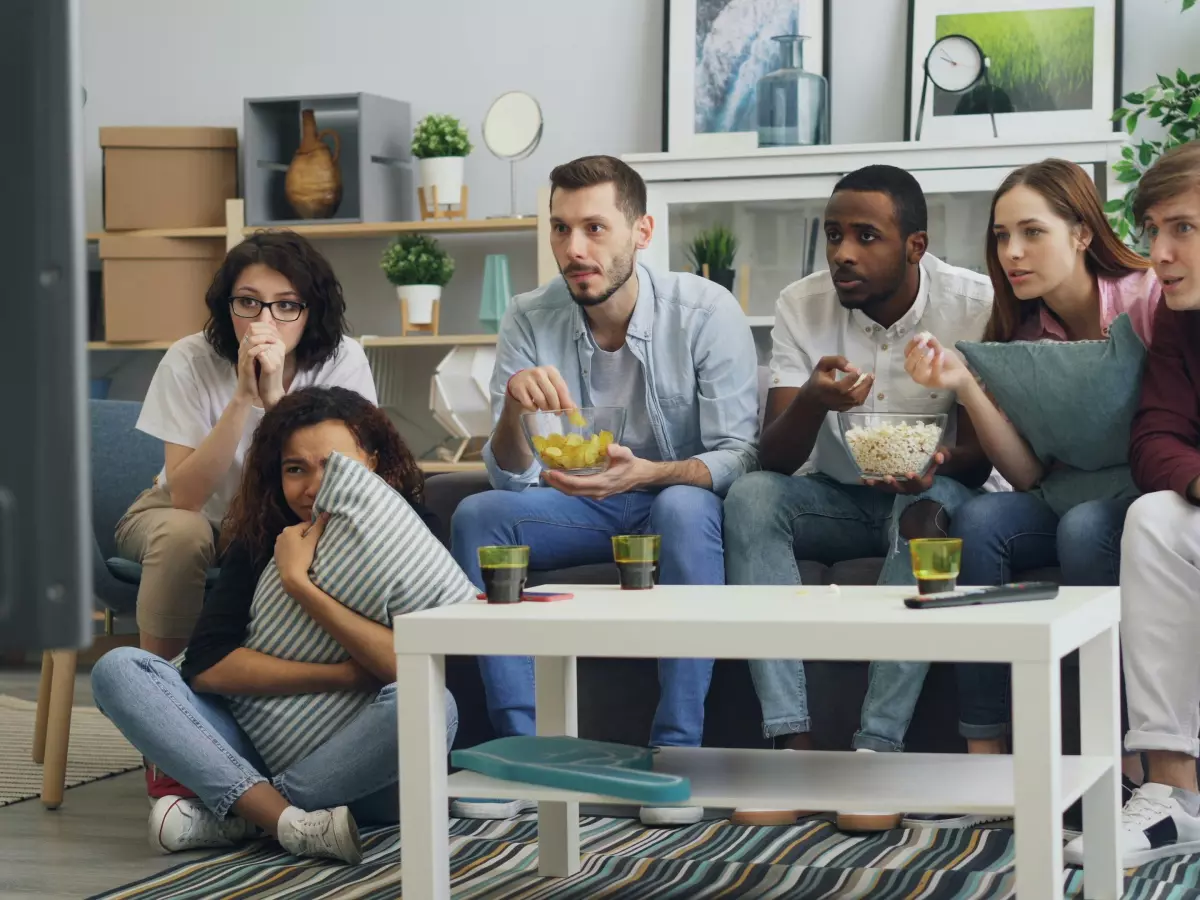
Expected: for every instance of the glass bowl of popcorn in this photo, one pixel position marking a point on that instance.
(892, 444)
(574, 441)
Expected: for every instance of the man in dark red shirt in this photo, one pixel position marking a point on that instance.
(1160, 551)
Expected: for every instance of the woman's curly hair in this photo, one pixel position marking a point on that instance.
(260, 511)
(299, 262)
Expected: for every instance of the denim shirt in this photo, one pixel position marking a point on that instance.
(697, 355)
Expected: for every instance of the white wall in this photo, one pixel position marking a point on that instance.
(595, 67)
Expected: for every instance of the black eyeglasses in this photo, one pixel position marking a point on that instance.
(252, 307)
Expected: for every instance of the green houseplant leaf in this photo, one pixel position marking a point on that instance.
(440, 135)
(416, 259)
(716, 247)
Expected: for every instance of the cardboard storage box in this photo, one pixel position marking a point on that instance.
(168, 177)
(154, 287)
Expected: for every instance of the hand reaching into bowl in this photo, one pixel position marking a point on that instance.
(539, 388)
(932, 366)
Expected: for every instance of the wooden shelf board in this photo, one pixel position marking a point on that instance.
(437, 467)
(428, 340)
(387, 229)
(132, 345)
(216, 231)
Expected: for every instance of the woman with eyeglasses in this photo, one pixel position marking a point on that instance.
(276, 324)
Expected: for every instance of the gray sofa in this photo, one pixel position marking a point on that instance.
(616, 701)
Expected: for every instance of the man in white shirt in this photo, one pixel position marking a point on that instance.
(839, 344)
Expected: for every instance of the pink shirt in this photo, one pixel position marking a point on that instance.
(1137, 293)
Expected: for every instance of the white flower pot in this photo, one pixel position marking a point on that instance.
(446, 174)
(420, 299)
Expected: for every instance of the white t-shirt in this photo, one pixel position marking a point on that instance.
(193, 385)
(617, 380)
(952, 304)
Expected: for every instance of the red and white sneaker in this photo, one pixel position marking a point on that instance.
(159, 784)
(178, 823)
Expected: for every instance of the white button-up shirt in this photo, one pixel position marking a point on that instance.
(952, 304)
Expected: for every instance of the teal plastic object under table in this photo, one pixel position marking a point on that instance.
(575, 764)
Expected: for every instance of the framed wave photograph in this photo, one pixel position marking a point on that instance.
(715, 53)
(1052, 68)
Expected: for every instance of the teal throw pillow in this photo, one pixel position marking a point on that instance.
(1072, 401)
(1064, 489)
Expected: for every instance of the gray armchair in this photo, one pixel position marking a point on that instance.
(124, 463)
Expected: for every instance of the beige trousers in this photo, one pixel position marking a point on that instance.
(175, 547)
(1160, 623)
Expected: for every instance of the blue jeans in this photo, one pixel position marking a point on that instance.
(1007, 533)
(194, 738)
(772, 519)
(563, 531)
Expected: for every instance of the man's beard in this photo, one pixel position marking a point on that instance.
(621, 269)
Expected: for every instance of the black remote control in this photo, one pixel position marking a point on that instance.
(1004, 593)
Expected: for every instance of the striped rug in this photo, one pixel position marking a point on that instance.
(624, 860)
(97, 750)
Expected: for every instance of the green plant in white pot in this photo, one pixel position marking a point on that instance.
(441, 144)
(419, 268)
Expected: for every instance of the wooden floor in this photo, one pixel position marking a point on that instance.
(94, 842)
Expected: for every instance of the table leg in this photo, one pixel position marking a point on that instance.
(1099, 735)
(424, 808)
(558, 823)
(1037, 778)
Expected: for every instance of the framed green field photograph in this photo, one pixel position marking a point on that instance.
(1052, 68)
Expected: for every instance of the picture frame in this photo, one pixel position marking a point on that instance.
(1069, 87)
(708, 99)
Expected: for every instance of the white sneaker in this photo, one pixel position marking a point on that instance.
(670, 815)
(183, 823)
(948, 820)
(323, 833)
(466, 808)
(1154, 824)
(867, 821)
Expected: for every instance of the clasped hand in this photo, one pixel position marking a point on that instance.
(261, 358)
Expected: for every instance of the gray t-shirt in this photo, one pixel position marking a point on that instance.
(617, 380)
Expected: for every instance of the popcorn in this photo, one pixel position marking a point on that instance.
(893, 449)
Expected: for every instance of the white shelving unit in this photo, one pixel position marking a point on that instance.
(774, 199)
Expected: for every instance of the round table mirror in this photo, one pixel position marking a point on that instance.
(512, 130)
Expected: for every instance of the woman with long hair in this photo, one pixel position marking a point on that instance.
(180, 717)
(1059, 273)
(276, 324)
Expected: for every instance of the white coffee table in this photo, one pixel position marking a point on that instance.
(1037, 783)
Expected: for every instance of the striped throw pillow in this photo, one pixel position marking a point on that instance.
(378, 558)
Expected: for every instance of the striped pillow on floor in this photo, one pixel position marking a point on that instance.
(379, 559)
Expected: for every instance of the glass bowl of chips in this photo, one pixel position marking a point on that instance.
(574, 441)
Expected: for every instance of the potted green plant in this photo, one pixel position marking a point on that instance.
(440, 142)
(715, 248)
(1174, 105)
(419, 268)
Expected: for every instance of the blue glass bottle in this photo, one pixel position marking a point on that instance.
(793, 105)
